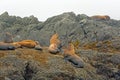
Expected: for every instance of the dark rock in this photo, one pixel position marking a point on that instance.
(115, 59)
(88, 29)
(42, 65)
(38, 47)
(116, 44)
(117, 75)
(103, 70)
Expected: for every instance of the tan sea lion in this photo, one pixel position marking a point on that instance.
(6, 46)
(101, 17)
(54, 44)
(28, 43)
(69, 55)
(55, 39)
(53, 49)
(16, 44)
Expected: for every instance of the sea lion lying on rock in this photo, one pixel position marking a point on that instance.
(27, 43)
(6, 46)
(54, 44)
(101, 17)
(16, 44)
(53, 49)
(69, 55)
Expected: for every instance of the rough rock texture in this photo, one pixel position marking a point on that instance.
(80, 27)
(31, 64)
(99, 47)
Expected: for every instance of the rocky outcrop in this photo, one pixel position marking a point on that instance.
(80, 27)
(30, 64)
(36, 64)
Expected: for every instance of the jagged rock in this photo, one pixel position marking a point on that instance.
(69, 22)
(31, 64)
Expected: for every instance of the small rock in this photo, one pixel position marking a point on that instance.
(38, 47)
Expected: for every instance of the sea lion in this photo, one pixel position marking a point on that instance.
(75, 60)
(55, 39)
(28, 43)
(69, 55)
(101, 17)
(6, 46)
(8, 38)
(53, 49)
(54, 44)
(16, 44)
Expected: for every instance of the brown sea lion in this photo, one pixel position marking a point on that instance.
(8, 38)
(28, 43)
(55, 39)
(54, 44)
(101, 17)
(69, 55)
(16, 44)
(53, 49)
(6, 46)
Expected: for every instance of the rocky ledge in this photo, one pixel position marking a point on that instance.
(31, 64)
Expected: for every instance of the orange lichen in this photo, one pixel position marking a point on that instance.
(2, 55)
(102, 46)
(76, 44)
(34, 55)
(1, 65)
(91, 45)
